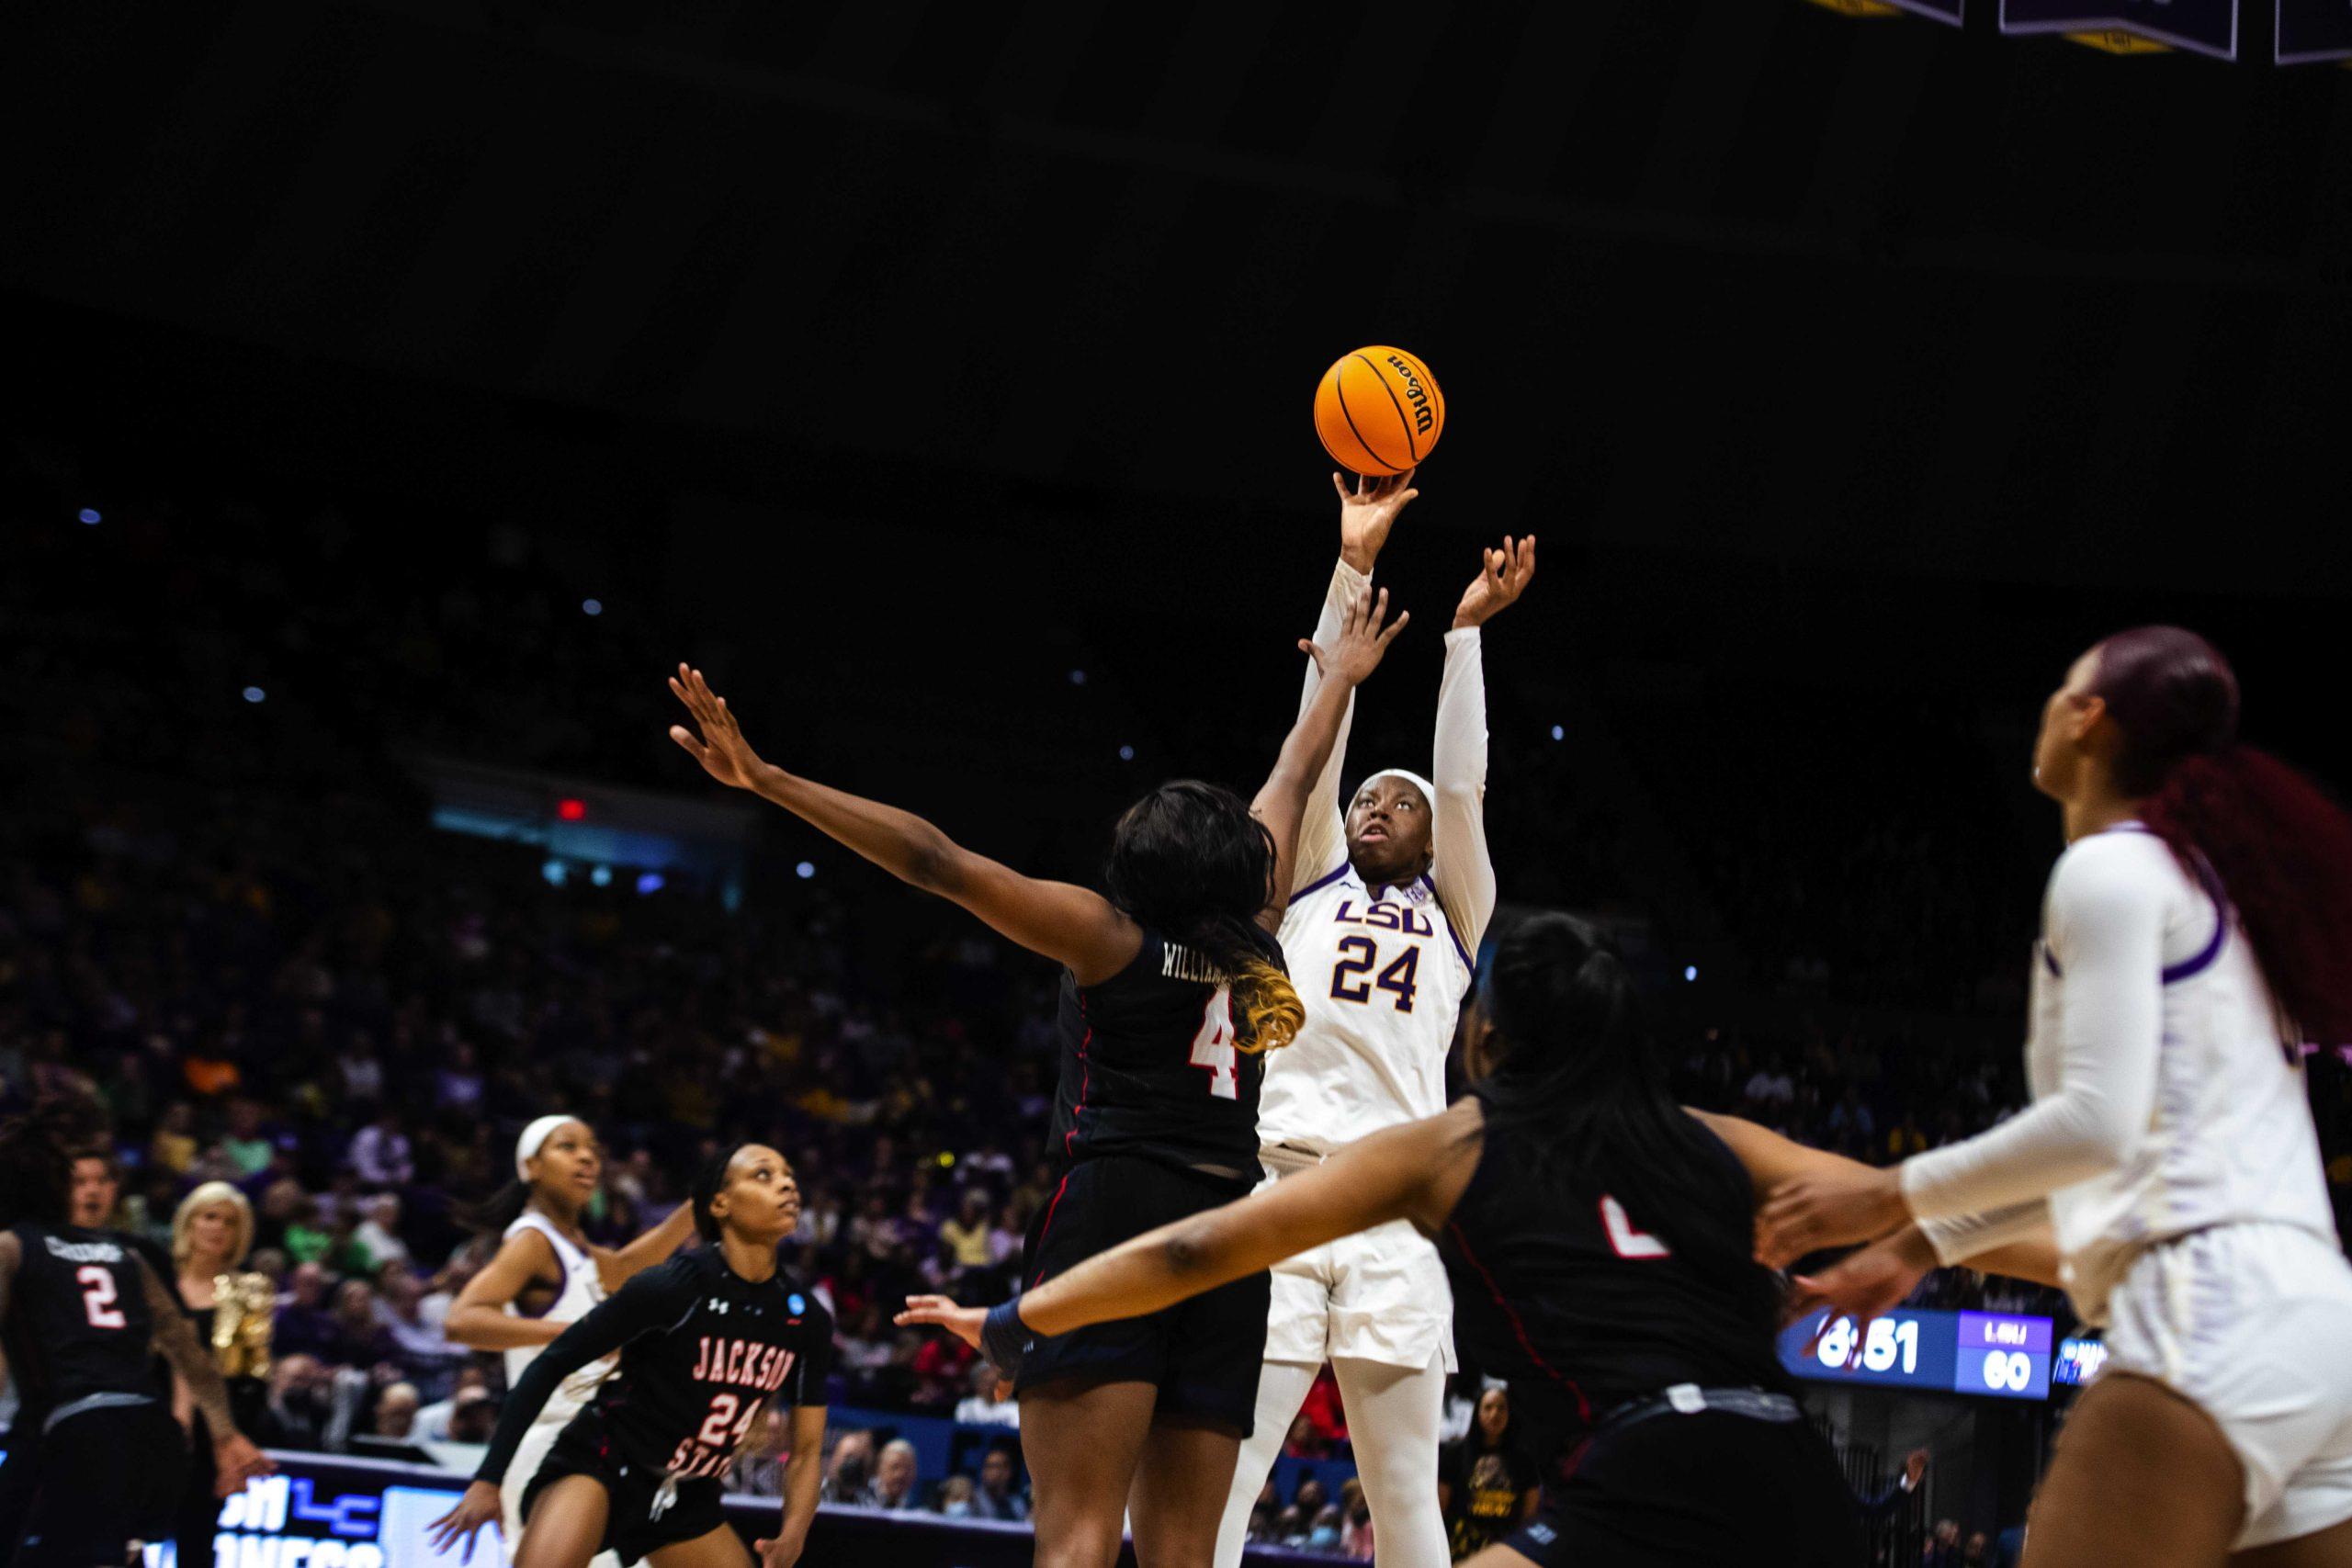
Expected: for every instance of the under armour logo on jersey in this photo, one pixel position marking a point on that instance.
(1623, 1239)
(718, 1306)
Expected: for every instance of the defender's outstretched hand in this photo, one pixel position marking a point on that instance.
(723, 753)
(1367, 513)
(477, 1507)
(938, 1312)
(1500, 581)
(1356, 652)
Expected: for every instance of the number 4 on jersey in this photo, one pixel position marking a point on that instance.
(1623, 1239)
(1212, 1047)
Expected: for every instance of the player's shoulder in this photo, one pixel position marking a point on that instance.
(679, 1277)
(2120, 864)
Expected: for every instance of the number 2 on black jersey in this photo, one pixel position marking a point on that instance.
(1352, 979)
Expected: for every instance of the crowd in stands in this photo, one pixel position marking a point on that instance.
(270, 969)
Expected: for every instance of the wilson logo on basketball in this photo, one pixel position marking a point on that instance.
(1423, 417)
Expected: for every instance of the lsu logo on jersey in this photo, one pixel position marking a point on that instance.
(1384, 916)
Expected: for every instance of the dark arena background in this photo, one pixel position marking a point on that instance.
(399, 390)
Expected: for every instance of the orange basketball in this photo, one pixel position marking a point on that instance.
(1379, 411)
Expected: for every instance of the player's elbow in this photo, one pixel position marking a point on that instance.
(2097, 1136)
(1188, 1251)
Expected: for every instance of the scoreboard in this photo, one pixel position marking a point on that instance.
(2004, 1355)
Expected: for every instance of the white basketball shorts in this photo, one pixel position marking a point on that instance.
(1379, 1296)
(2253, 1324)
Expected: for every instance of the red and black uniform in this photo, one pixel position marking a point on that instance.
(1648, 1382)
(80, 1338)
(702, 1349)
(1155, 1119)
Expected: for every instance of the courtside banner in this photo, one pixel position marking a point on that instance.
(1936, 10)
(2208, 27)
(2314, 29)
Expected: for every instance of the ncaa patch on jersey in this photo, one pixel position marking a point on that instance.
(794, 1304)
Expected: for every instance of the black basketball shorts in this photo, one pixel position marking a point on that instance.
(1696, 1491)
(637, 1522)
(105, 1477)
(1202, 1354)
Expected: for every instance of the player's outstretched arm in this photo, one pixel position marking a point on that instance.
(1415, 1171)
(1345, 663)
(1074, 925)
(234, 1457)
(1463, 868)
(1874, 1280)
(803, 1475)
(616, 1266)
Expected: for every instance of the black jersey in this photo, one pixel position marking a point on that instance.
(702, 1349)
(79, 1328)
(1583, 1306)
(1149, 1068)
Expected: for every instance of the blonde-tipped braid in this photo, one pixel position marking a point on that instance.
(1271, 1013)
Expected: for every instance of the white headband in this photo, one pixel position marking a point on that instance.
(1429, 790)
(526, 1147)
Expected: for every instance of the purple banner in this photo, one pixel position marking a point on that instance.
(2208, 27)
(1947, 11)
(2314, 29)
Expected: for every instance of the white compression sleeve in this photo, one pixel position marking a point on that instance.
(1322, 834)
(1392, 1417)
(2105, 929)
(1282, 1391)
(1464, 869)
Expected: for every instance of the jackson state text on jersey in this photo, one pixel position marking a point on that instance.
(1383, 973)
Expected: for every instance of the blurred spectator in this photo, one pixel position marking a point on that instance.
(755, 1470)
(896, 1484)
(1355, 1512)
(304, 1325)
(1487, 1483)
(955, 1497)
(849, 1468)
(396, 1408)
(1943, 1550)
(300, 1405)
(999, 1494)
(381, 1155)
(361, 1338)
(433, 1421)
(982, 1407)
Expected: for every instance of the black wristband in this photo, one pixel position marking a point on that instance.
(1004, 1338)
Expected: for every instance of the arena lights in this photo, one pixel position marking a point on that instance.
(648, 884)
(1078, 677)
(254, 695)
(591, 606)
(89, 515)
(1689, 971)
(1126, 753)
(601, 877)
(805, 869)
(2303, 31)
(1559, 732)
(554, 870)
(570, 808)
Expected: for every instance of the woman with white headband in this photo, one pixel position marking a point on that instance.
(1382, 935)
(547, 1275)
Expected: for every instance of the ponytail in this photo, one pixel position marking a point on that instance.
(1267, 1011)
(496, 1212)
(2282, 849)
(1192, 863)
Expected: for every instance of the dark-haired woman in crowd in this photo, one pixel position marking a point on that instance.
(706, 1342)
(1487, 1483)
(547, 1274)
(1173, 990)
(1598, 1238)
(2196, 929)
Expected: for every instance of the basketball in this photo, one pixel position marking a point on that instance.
(1379, 411)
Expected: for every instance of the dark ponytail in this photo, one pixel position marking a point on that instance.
(2280, 846)
(1580, 1083)
(37, 1153)
(710, 1179)
(1190, 861)
(496, 1212)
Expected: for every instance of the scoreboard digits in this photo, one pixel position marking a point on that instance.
(2004, 1355)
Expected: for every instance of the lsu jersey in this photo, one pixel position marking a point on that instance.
(1383, 973)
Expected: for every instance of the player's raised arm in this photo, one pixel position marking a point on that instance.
(1344, 664)
(1368, 509)
(1462, 867)
(1074, 925)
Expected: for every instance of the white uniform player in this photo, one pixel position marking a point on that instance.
(1383, 967)
(2170, 1149)
(583, 1290)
